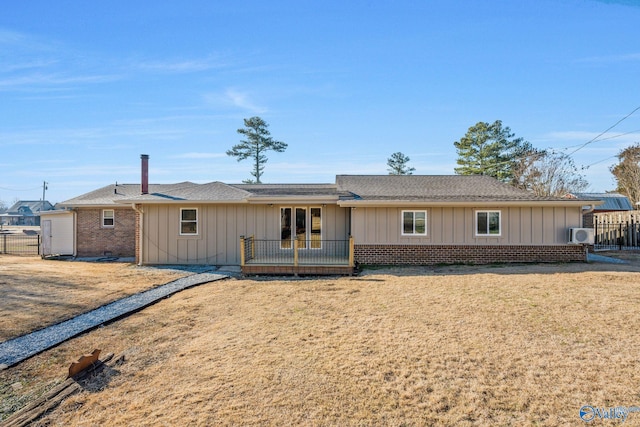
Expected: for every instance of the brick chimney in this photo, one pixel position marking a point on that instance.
(145, 174)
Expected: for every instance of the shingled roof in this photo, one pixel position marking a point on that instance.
(289, 191)
(433, 188)
(349, 190)
(116, 194)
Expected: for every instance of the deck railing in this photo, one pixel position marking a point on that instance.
(296, 252)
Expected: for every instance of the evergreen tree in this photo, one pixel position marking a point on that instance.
(257, 142)
(488, 149)
(398, 164)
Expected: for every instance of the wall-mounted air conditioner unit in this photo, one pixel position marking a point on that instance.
(581, 236)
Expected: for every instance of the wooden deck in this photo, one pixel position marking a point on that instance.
(260, 257)
(311, 270)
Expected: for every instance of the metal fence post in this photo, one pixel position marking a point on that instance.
(620, 238)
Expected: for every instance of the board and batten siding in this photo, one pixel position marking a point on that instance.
(219, 229)
(456, 225)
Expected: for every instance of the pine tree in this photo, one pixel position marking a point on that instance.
(488, 149)
(257, 142)
(398, 164)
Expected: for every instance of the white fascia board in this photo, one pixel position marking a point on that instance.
(480, 203)
(295, 200)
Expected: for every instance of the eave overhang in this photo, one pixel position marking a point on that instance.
(464, 203)
(328, 200)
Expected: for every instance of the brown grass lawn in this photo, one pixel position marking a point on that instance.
(36, 293)
(496, 345)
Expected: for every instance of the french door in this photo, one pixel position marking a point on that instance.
(303, 224)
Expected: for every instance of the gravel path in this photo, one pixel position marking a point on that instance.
(18, 349)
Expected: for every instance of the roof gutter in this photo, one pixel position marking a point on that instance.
(466, 203)
(292, 199)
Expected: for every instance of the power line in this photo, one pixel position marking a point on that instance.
(20, 189)
(603, 139)
(608, 129)
(595, 163)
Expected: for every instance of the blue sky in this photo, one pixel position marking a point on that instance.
(86, 87)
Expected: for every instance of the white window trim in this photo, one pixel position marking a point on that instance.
(310, 227)
(113, 218)
(426, 216)
(196, 221)
(488, 211)
(308, 220)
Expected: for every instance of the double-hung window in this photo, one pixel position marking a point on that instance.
(108, 218)
(414, 223)
(188, 221)
(488, 223)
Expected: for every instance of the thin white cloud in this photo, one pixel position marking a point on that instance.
(26, 65)
(199, 156)
(10, 37)
(557, 139)
(42, 79)
(181, 67)
(237, 99)
(629, 57)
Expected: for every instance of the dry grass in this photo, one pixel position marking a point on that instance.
(36, 293)
(440, 346)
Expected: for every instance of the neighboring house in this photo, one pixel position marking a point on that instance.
(382, 219)
(25, 212)
(611, 202)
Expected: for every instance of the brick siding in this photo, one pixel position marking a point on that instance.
(93, 240)
(466, 254)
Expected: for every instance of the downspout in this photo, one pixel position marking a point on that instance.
(75, 233)
(140, 213)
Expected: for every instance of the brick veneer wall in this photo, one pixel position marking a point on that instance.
(93, 240)
(471, 254)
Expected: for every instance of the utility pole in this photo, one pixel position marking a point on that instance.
(44, 188)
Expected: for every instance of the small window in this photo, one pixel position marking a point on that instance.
(188, 221)
(414, 223)
(488, 223)
(108, 217)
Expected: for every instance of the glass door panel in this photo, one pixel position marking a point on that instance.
(285, 228)
(301, 227)
(316, 228)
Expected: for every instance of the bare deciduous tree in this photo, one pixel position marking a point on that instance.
(627, 173)
(549, 174)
